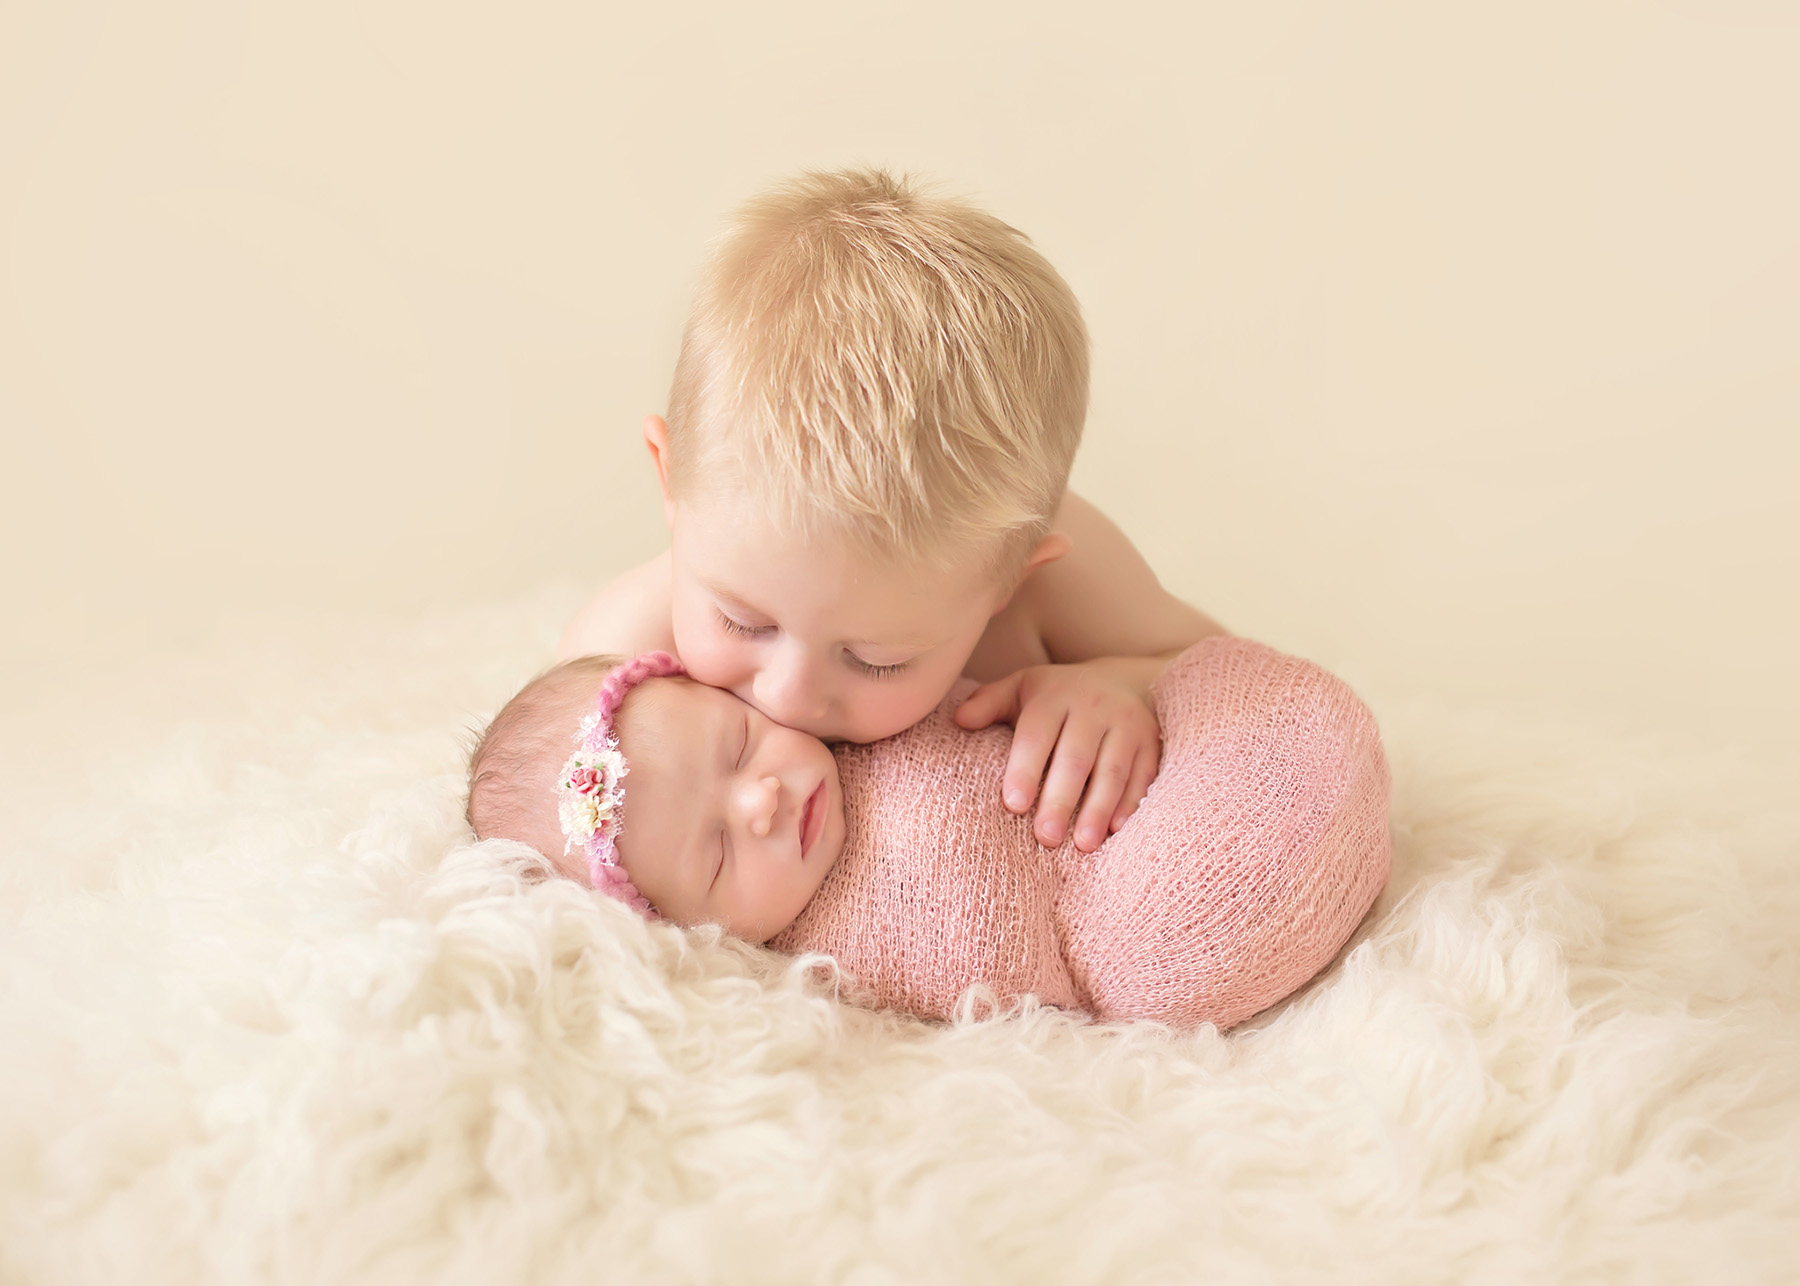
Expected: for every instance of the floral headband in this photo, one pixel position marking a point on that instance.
(591, 790)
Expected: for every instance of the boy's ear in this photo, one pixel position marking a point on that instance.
(1049, 549)
(656, 438)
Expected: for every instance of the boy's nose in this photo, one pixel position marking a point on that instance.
(789, 692)
(756, 800)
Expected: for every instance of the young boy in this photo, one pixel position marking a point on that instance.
(864, 472)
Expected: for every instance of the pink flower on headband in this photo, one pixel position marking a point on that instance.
(590, 792)
(586, 781)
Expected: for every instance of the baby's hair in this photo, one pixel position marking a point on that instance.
(513, 768)
(897, 367)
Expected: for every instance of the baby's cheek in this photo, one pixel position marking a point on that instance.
(765, 908)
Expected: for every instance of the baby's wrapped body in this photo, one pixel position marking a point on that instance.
(1261, 845)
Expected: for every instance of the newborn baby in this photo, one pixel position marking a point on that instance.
(1259, 848)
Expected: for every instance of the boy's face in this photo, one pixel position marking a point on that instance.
(815, 634)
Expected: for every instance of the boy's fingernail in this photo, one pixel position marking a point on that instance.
(1015, 800)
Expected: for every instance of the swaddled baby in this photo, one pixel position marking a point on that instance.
(1261, 844)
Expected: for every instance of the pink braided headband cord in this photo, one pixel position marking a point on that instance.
(591, 790)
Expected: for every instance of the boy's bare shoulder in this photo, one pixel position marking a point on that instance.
(629, 615)
(1101, 598)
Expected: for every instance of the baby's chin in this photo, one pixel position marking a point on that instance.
(757, 930)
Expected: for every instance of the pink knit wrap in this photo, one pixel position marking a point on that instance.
(1261, 845)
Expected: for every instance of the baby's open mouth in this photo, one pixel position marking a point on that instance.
(812, 819)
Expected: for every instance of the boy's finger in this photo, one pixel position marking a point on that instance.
(1034, 737)
(1069, 768)
(1105, 790)
(998, 700)
(1143, 772)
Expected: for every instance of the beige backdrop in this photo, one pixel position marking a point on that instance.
(1452, 344)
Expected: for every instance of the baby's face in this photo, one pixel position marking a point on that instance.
(813, 633)
(730, 818)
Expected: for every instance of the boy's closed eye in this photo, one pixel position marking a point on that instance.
(731, 625)
(869, 669)
(875, 670)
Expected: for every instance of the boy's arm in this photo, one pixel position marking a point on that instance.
(628, 616)
(1108, 627)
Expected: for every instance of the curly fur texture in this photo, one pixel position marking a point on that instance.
(270, 1017)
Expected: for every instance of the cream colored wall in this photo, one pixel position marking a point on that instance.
(1453, 344)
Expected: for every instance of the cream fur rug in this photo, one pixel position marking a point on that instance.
(270, 1018)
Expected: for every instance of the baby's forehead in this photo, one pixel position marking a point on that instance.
(673, 697)
(671, 718)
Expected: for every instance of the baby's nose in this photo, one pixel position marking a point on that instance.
(759, 800)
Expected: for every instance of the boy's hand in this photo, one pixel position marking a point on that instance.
(1098, 718)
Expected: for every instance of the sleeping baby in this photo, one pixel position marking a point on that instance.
(1262, 842)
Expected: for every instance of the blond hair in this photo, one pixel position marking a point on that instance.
(893, 366)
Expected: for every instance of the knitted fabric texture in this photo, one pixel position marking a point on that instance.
(1261, 845)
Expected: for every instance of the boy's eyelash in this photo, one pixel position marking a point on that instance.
(879, 671)
(738, 627)
(731, 626)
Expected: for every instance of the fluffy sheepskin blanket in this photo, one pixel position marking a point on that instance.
(271, 1017)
